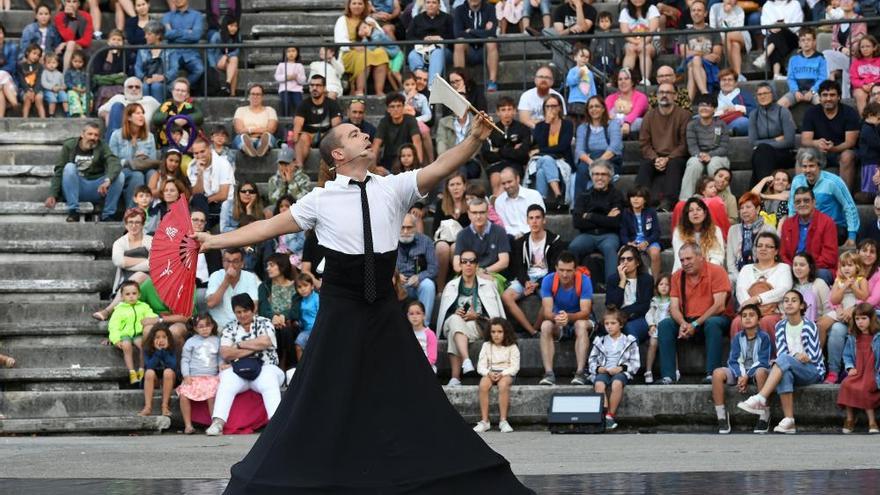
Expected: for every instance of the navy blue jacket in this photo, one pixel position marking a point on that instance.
(541, 137)
(462, 19)
(629, 227)
(644, 293)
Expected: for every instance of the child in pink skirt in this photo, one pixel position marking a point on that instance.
(199, 366)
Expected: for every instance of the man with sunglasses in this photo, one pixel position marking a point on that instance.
(114, 108)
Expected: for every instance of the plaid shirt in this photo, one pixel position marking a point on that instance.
(298, 187)
(681, 99)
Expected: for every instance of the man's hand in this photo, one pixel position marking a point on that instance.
(614, 212)
(561, 318)
(686, 331)
(660, 163)
(852, 372)
(530, 287)
(470, 316)
(204, 240)
(413, 281)
(104, 187)
(482, 126)
(704, 157)
(50, 202)
(232, 273)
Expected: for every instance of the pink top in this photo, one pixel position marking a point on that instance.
(874, 290)
(295, 69)
(431, 347)
(864, 71)
(639, 106)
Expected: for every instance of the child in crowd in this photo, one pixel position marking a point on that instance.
(289, 178)
(749, 361)
(170, 169)
(807, 69)
(640, 227)
(607, 52)
(219, 143)
(416, 104)
(331, 68)
(52, 82)
(160, 360)
(581, 84)
(849, 288)
(291, 76)
(415, 313)
(658, 311)
(813, 288)
(199, 367)
(798, 362)
(722, 178)
(143, 199)
(498, 365)
(152, 61)
(407, 159)
(509, 12)
(42, 31)
(308, 308)
(79, 100)
(126, 326)
(614, 360)
(109, 72)
(368, 32)
(291, 244)
(861, 356)
(869, 151)
(225, 60)
(775, 190)
(29, 82)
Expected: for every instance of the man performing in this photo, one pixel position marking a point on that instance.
(364, 412)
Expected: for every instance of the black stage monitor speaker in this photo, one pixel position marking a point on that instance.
(576, 413)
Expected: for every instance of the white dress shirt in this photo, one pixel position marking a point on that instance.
(514, 211)
(219, 173)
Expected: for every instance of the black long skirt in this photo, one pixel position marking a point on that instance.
(365, 413)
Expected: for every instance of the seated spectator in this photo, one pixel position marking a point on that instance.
(727, 14)
(869, 154)
(702, 53)
(810, 231)
(330, 68)
(291, 245)
(781, 41)
(135, 148)
(871, 230)
(280, 303)
(859, 390)
(208, 262)
(570, 18)
(638, 17)
(87, 170)
(131, 254)
(358, 61)
(316, 115)
(614, 361)
(112, 111)
(41, 32)
(640, 228)
(598, 138)
(371, 35)
(431, 24)
(722, 179)
(226, 283)
(513, 204)
(225, 60)
(172, 190)
(763, 282)
(607, 53)
(798, 362)
(75, 28)
(160, 361)
(357, 110)
(220, 144)
(531, 102)
(664, 147)
(734, 104)
(417, 106)
(849, 288)
(387, 12)
(28, 73)
(748, 362)
(630, 290)
(396, 129)
(531, 259)
(450, 217)
(832, 195)
(417, 265)
(52, 84)
(815, 291)
(627, 106)
(135, 24)
(666, 75)
(247, 337)
(184, 26)
(170, 169)
(126, 327)
(289, 177)
(597, 215)
(488, 241)
(108, 72)
(696, 226)
(543, 6)
(451, 130)
(465, 300)
(865, 69)
(247, 201)
(215, 11)
(771, 133)
(212, 180)
(508, 150)
(741, 236)
(475, 19)
(806, 72)
(550, 169)
(707, 139)
(255, 124)
(415, 313)
(79, 96)
(706, 289)
(833, 128)
(8, 59)
(464, 84)
(707, 191)
(567, 310)
(845, 44)
(498, 365)
(580, 83)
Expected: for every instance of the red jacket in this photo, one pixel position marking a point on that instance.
(821, 240)
(67, 34)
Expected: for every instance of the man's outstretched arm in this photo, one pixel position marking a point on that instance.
(249, 234)
(455, 157)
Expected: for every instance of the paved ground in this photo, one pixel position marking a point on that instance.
(531, 453)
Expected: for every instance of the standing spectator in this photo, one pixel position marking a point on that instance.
(358, 61)
(741, 236)
(75, 28)
(702, 53)
(431, 24)
(280, 303)
(763, 282)
(597, 215)
(212, 180)
(614, 361)
(87, 170)
(396, 129)
(255, 125)
(781, 40)
(225, 60)
(135, 148)
(357, 110)
(627, 106)
(570, 18)
(135, 26)
(226, 283)
(865, 69)
(552, 170)
(532, 257)
(810, 231)
(8, 59)
(806, 72)
(316, 115)
(417, 265)
(707, 141)
(531, 102)
(41, 32)
(184, 26)
(832, 195)
(330, 68)
(489, 242)
(607, 52)
(700, 296)
(727, 14)
(640, 228)
(869, 154)
(630, 290)
(567, 308)
(475, 19)
(216, 10)
(772, 133)
(859, 390)
(514, 202)
(663, 146)
(580, 82)
(734, 104)
(639, 17)
(508, 150)
(465, 301)
(696, 226)
(833, 128)
(415, 313)
(179, 105)
(199, 368)
(417, 105)
(598, 138)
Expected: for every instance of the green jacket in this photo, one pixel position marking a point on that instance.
(168, 109)
(103, 163)
(126, 320)
(264, 306)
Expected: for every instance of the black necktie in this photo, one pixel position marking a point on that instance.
(369, 256)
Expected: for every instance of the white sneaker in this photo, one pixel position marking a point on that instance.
(483, 426)
(780, 77)
(505, 427)
(454, 382)
(467, 367)
(753, 405)
(645, 82)
(677, 375)
(760, 62)
(786, 426)
(216, 428)
(649, 377)
(741, 78)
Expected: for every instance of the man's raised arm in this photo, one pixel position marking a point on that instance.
(455, 157)
(249, 234)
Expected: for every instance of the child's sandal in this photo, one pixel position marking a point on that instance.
(166, 411)
(145, 412)
(189, 430)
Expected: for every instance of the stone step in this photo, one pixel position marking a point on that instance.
(84, 373)
(20, 188)
(46, 257)
(72, 405)
(30, 353)
(255, 23)
(95, 424)
(24, 211)
(26, 317)
(18, 131)
(288, 6)
(52, 328)
(27, 171)
(64, 238)
(325, 29)
(96, 269)
(29, 154)
(48, 280)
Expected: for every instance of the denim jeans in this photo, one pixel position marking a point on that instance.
(425, 293)
(547, 172)
(133, 180)
(77, 188)
(638, 328)
(156, 90)
(238, 140)
(607, 244)
(188, 59)
(436, 62)
(711, 331)
(794, 373)
(115, 120)
(836, 341)
(739, 127)
(544, 8)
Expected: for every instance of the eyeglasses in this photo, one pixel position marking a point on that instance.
(551, 106)
(248, 191)
(626, 258)
(357, 100)
(134, 86)
(665, 92)
(134, 222)
(803, 201)
(468, 261)
(478, 212)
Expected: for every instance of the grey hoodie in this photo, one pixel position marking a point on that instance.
(765, 123)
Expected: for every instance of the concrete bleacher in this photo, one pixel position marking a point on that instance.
(53, 275)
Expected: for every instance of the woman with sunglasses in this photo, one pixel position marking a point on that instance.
(247, 201)
(631, 290)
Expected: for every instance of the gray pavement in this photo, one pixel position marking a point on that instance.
(171, 456)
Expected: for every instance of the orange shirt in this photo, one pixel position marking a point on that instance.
(713, 279)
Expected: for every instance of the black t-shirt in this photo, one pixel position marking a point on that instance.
(318, 117)
(83, 159)
(393, 136)
(566, 15)
(847, 119)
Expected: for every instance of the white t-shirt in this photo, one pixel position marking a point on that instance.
(642, 24)
(248, 283)
(538, 268)
(793, 338)
(219, 173)
(255, 119)
(513, 211)
(534, 104)
(629, 292)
